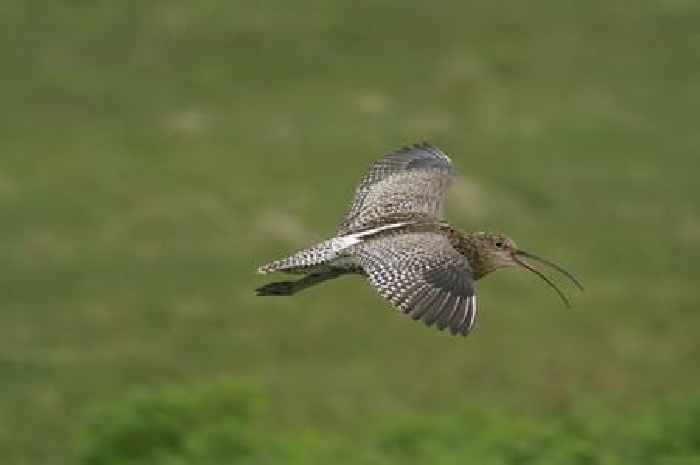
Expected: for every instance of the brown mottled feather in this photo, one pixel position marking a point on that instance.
(422, 275)
(412, 180)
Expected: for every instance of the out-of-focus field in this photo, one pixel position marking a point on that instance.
(152, 154)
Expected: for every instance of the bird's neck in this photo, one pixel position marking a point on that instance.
(473, 246)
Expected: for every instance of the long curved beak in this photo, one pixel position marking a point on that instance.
(521, 253)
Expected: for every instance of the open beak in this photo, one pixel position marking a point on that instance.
(517, 257)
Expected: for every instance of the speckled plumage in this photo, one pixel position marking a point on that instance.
(409, 182)
(394, 235)
(422, 275)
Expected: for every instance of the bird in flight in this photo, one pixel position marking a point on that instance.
(395, 236)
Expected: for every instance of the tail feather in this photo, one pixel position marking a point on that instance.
(314, 256)
(287, 288)
(279, 288)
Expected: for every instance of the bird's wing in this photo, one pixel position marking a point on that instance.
(423, 276)
(411, 181)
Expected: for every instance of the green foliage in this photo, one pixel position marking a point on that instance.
(175, 426)
(223, 423)
(203, 425)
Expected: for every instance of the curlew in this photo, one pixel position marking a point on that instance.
(394, 235)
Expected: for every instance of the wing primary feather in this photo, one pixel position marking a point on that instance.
(436, 308)
(419, 304)
(470, 317)
(450, 309)
(456, 316)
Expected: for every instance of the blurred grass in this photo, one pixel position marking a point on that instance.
(154, 153)
(224, 422)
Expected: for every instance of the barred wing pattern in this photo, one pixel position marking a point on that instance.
(413, 180)
(423, 276)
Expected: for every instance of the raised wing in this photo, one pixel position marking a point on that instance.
(410, 181)
(423, 276)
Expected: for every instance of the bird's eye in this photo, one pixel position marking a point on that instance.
(499, 244)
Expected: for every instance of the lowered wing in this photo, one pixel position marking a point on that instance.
(423, 276)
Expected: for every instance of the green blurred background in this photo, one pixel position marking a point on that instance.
(153, 154)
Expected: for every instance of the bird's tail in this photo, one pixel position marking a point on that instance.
(288, 264)
(288, 288)
(305, 260)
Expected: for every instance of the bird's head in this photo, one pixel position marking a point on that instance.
(491, 251)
